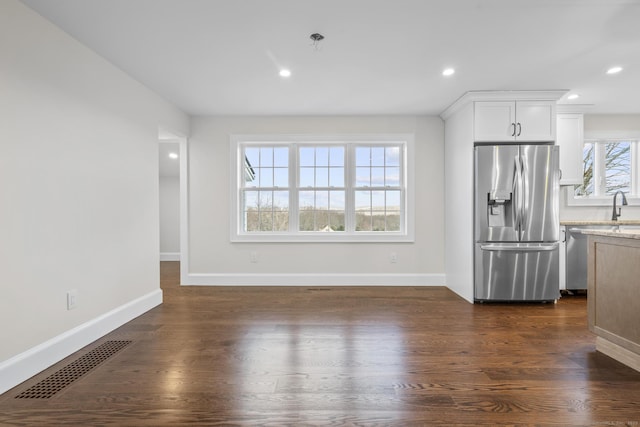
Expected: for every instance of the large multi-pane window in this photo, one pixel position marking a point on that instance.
(336, 189)
(609, 166)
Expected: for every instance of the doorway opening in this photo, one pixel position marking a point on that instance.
(172, 166)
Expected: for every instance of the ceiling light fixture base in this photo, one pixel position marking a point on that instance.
(316, 39)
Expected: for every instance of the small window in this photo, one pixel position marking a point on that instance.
(617, 176)
(378, 193)
(265, 189)
(608, 166)
(321, 195)
(320, 189)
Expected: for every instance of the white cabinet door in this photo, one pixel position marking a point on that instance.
(507, 121)
(570, 131)
(494, 121)
(535, 121)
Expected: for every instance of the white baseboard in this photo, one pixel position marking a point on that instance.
(25, 365)
(169, 256)
(315, 279)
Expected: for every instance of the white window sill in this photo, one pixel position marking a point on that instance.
(336, 237)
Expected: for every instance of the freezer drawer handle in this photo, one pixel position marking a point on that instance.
(542, 248)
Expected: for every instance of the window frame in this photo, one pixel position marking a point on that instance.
(237, 171)
(599, 199)
(297, 189)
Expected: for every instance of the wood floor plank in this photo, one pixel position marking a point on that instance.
(342, 356)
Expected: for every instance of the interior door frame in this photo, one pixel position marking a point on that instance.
(167, 136)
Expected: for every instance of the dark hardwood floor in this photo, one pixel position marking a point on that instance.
(356, 356)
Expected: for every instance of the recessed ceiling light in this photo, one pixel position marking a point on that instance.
(285, 73)
(448, 71)
(173, 155)
(573, 96)
(614, 70)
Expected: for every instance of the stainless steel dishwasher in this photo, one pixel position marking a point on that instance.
(576, 253)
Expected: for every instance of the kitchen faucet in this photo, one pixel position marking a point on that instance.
(618, 213)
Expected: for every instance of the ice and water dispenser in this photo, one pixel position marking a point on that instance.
(498, 207)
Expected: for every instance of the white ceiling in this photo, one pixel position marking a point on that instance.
(221, 57)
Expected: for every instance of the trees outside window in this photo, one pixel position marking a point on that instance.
(608, 166)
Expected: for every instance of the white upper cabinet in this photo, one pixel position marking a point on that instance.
(494, 121)
(522, 121)
(536, 121)
(571, 140)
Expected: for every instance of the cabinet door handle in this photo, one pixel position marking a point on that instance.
(514, 129)
(519, 129)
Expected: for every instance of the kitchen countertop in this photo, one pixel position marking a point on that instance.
(596, 222)
(626, 234)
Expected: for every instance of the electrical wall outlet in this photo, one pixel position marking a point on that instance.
(72, 299)
(393, 257)
(253, 257)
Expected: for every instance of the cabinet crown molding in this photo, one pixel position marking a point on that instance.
(502, 95)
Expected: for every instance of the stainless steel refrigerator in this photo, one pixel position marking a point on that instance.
(517, 223)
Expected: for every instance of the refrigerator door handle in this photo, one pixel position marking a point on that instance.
(524, 205)
(517, 186)
(531, 248)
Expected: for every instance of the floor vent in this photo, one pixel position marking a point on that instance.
(65, 376)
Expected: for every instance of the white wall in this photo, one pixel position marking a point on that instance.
(459, 179)
(214, 260)
(603, 126)
(169, 215)
(78, 191)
